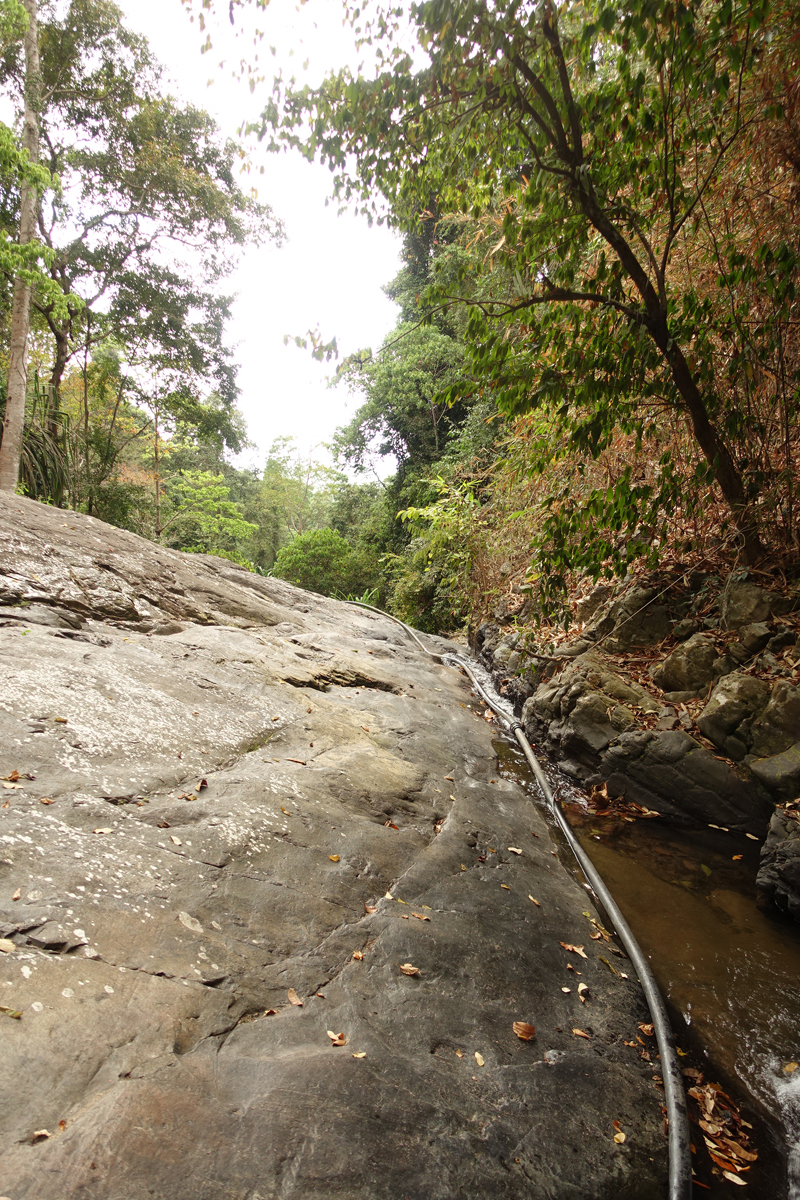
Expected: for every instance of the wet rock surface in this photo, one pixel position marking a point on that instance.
(220, 788)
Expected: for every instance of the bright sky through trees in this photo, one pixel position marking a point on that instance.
(330, 271)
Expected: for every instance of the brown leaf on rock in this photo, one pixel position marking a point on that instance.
(333, 857)
(420, 916)
(370, 908)
(514, 850)
(450, 778)
(202, 784)
(177, 841)
(45, 800)
(39, 1135)
(14, 1013)
(271, 1012)
(524, 1031)
(408, 969)
(459, 1053)
(479, 1059)
(106, 829)
(390, 825)
(294, 998)
(358, 955)
(536, 902)
(574, 949)
(583, 1034)
(7, 946)
(301, 761)
(583, 992)
(361, 1053)
(16, 895)
(337, 1039)
(647, 1030)
(505, 887)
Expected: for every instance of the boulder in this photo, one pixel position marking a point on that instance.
(221, 843)
(689, 667)
(743, 603)
(778, 877)
(728, 717)
(634, 619)
(778, 725)
(669, 772)
(755, 637)
(780, 772)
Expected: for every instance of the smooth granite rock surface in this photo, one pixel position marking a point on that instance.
(220, 788)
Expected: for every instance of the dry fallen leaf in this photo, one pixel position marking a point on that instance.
(729, 1174)
(789, 1068)
(11, 1012)
(408, 969)
(459, 1053)
(39, 1135)
(536, 902)
(361, 1053)
(524, 1031)
(619, 1136)
(175, 839)
(358, 955)
(17, 894)
(647, 1030)
(271, 1012)
(8, 947)
(337, 1039)
(301, 761)
(505, 887)
(420, 916)
(388, 896)
(514, 850)
(333, 857)
(451, 778)
(294, 998)
(574, 949)
(45, 800)
(286, 812)
(753, 838)
(104, 829)
(479, 1059)
(581, 1033)
(736, 857)
(370, 908)
(583, 992)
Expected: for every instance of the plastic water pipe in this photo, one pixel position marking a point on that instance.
(680, 1156)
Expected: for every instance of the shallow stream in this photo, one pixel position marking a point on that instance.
(730, 972)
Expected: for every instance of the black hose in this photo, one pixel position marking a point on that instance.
(680, 1156)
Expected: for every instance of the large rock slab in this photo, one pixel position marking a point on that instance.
(220, 788)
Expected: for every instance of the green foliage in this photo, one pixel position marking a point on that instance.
(200, 517)
(593, 154)
(323, 561)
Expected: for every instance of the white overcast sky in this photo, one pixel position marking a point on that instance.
(330, 271)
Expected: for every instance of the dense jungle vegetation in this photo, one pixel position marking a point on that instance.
(596, 362)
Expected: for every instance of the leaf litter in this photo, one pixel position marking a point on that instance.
(724, 1130)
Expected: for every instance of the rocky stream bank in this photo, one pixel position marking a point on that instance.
(272, 923)
(677, 696)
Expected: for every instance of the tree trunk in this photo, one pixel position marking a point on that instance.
(13, 424)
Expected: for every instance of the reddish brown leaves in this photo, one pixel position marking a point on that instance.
(408, 969)
(524, 1031)
(337, 1039)
(574, 949)
(294, 998)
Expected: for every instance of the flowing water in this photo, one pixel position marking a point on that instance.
(730, 972)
